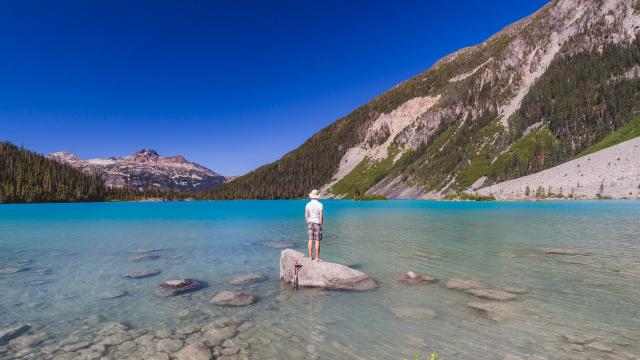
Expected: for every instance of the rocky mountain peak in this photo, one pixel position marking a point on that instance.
(178, 159)
(146, 168)
(146, 155)
(64, 156)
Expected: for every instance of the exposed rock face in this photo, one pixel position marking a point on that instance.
(323, 275)
(247, 279)
(232, 298)
(146, 168)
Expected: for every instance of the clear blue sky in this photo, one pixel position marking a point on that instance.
(231, 85)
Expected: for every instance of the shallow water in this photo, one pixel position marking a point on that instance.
(77, 252)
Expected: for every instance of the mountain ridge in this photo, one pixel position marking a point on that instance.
(561, 69)
(146, 168)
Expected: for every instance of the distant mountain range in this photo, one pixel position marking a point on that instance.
(547, 89)
(145, 169)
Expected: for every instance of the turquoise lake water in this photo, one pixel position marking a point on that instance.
(77, 252)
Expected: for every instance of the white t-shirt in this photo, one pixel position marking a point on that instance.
(314, 207)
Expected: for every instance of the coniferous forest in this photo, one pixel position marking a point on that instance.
(28, 177)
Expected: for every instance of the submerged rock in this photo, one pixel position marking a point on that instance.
(599, 347)
(27, 341)
(491, 294)
(169, 345)
(113, 294)
(145, 258)
(516, 290)
(279, 244)
(463, 285)
(144, 251)
(195, 351)
(142, 273)
(631, 273)
(232, 298)
(495, 311)
(42, 271)
(175, 287)
(14, 269)
(76, 346)
(13, 332)
(560, 251)
(38, 282)
(112, 328)
(323, 275)
(412, 278)
(215, 336)
(577, 339)
(247, 279)
(226, 321)
(413, 313)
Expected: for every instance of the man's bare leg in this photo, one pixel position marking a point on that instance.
(310, 247)
(318, 251)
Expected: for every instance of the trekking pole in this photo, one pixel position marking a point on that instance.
(295, 275)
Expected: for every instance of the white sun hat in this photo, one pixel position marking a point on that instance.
(314, 194)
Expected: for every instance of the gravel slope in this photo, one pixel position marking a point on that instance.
(613, 172)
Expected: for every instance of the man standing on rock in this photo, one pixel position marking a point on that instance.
(314, 217)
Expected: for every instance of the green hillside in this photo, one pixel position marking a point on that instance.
(627, 132)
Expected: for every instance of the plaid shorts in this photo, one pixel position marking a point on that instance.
(314, 231)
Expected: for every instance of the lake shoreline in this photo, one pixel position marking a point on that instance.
(341, 199)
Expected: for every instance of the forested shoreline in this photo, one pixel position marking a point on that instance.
(29, 177)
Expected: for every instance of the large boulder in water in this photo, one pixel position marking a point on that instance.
(323, 275)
